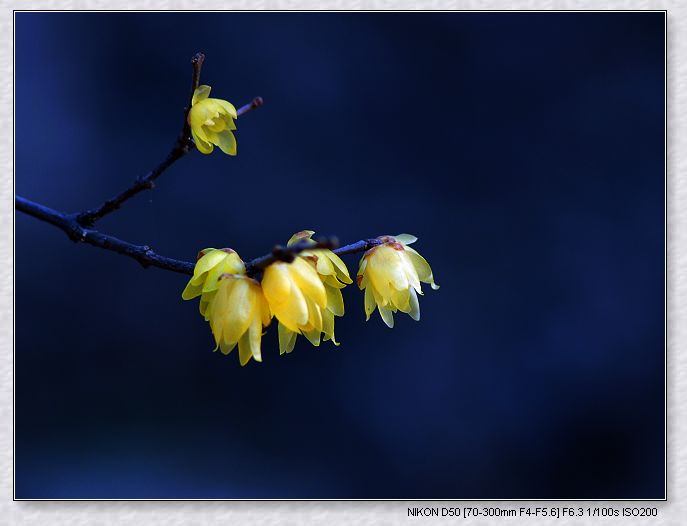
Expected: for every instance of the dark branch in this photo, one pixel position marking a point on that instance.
(69, 225)
(184, 141)
(181, 147)
(359, 246)
(197, 63)
(286, 254)
(77, 226)
(255, 103)
(89, 217)
(148, 258)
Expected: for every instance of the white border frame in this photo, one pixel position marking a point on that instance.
(361, 512)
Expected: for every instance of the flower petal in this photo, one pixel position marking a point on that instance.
(370, 303)
(332, 281)
(204, 303)
(380, 300)
(401, 299)
(314, 316)
(406, 239)
(335, 303)
(306, 279)
(299, 236)
(265, 313)
(191, 291)
(209, 260)
(276, 283)
(240, 309)
(342, 270)
(324, 265)
(226, 348)
(328, 327)
(410, 271)
(244, 349)
(217, 126)
(196, 117)
(229, 123)
(414, 306)
(203, 147)
(254, 337)
(285, 299)
(226, 142)
(387, 316)
(226, 106)
(212, 280)
(361, 269)
(313, 337)
(287, 339)
(385, 270)
(200, 93)
(424, 271)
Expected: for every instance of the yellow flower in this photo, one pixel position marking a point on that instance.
(212, 122)
(328, 264)
(211, 264)
(391, 274)
(334, 276)
(297, 297)
(237, 313)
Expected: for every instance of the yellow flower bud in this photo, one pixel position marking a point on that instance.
(334, 275)
(211, 264)
(297, 297)
(390, 274)
(237, 313)
(330, 266)
(212, 122)
(233, 303)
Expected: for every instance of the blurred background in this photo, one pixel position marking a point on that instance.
(525, 150)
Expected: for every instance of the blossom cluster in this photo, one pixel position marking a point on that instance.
(303, 295)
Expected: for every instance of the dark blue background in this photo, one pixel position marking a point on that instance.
(524, 150)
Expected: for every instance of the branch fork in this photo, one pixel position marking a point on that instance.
(78, 226)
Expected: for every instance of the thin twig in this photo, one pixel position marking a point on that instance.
(184, 143)
(181, 147)
(148, 258)
(359, 246)
(289, 253)
(255, 103)
(77, 226)
(69, 225)
(89, 217)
